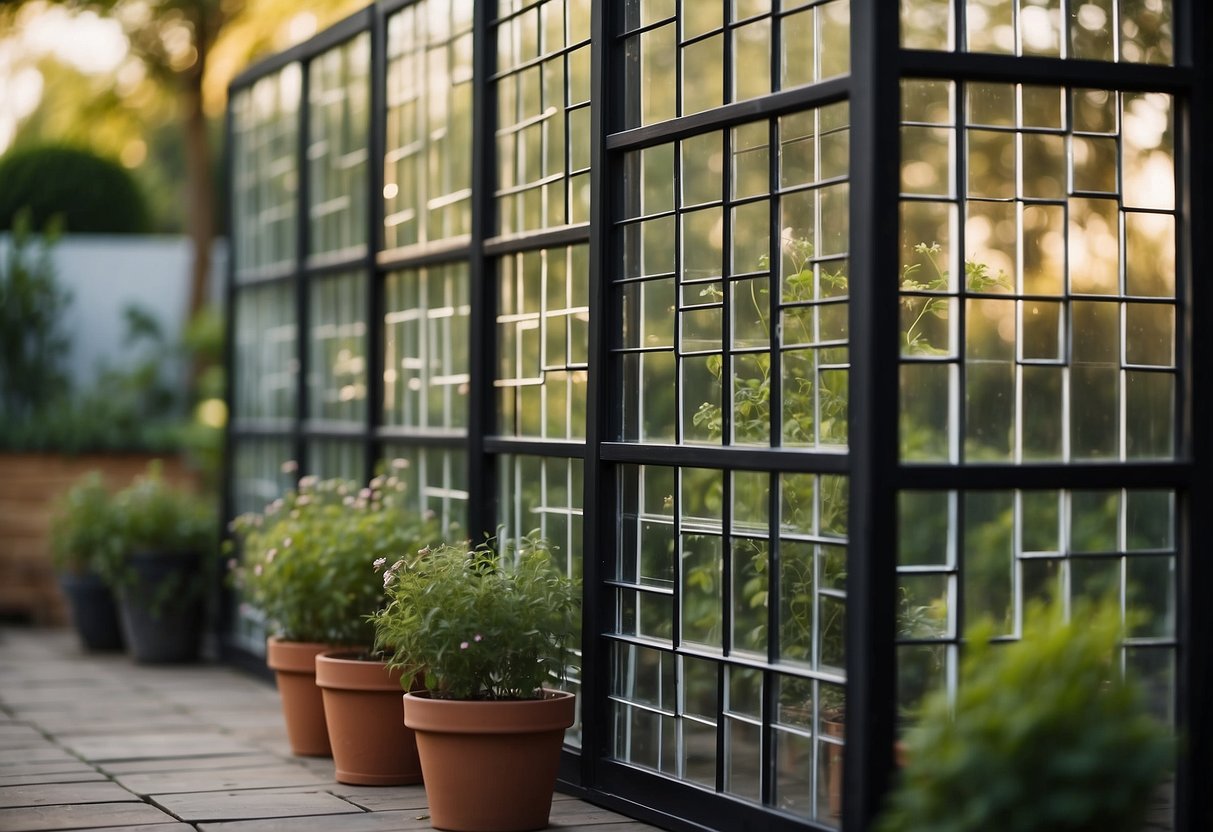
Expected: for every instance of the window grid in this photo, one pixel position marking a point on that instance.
(690, 57)
(542, 343)
(697, 316)
(543, 115)
(427, 188)
(679, 618)
(436, 483)
(1063, 204)
(265, 367)
(337, 345)
(338, 130)
(969, 556)
(1128, 31)
(426, 336)
(265, 124)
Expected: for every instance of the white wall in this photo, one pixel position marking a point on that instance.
(106, 273)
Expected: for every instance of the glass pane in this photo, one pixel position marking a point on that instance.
(337, 343)
(339, 109)
(264, 366)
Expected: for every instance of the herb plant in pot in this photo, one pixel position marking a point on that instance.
(162, 541)
(306, 564)
(487, 630)
(80, 532)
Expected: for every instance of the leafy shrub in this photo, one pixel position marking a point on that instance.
(82, 525)
(152, 515)
(91, 194)
(480, 624)
(306, 560)
(1045, 736)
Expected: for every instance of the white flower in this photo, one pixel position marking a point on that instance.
(387, 577)
(379, 563)
(269, 556)
(399, 464)
(290, 466)
(286, 543)
(308, 482)
(257, 570)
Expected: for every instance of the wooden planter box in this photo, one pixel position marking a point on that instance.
(29, 485)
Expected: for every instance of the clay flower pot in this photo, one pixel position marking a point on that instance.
(294, 665)
(371, 745)
(490, 765)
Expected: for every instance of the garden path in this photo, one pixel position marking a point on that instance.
(91, 741)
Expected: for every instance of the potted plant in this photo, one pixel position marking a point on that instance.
(306, 564)
(1044, 735)
(162, 537)
(488, 631)
(80, 532)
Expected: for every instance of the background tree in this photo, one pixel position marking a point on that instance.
(173, 41)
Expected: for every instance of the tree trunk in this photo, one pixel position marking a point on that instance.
(200, 209)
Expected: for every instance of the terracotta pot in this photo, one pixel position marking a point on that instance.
(490, 766)
(371, 745)
(294, 665)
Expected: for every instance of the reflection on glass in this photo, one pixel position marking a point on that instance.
(265, 174)
(264, 365)
(427, 162)
(1049, 210)
(337, 342)
(339, 108)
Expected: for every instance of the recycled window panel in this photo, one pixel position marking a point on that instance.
(543, 343)
(1128, 31)
(545, 495)
(427, 182)
(1061, 330)
(737, 334)
(337, 349)
(261, 472)
(426, 342)
(337, 458)
(543, 117)
(265, 368)
(338, 130)
(1001, 551)
(704, 55)
(265, 173)
(436, 483)
(692, 631)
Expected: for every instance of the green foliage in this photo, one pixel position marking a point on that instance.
(90, 193)
(1045, 735)
(152, 515)
(480, 624)
(81, 527)
(32, 347)
(306, 560)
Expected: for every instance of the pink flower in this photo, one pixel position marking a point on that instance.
(290, 466)
(269, 556)
(379, 563)
(231, 564)
(463, 645)
(257, 570)
(286, 543)
(478, 637)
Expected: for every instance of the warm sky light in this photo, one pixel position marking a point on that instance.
(84, 41)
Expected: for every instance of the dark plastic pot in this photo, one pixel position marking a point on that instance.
(162, 627)
(94, 614)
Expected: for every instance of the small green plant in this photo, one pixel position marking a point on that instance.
(1044, 735)
(479, 623)
(152, 515)
(82, 525)
(306, 560)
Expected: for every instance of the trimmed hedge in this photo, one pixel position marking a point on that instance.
(91, 193)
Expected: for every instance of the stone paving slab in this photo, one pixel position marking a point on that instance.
(218, 761)
(385, 798)
(26, 756)
(366, 822)
(85, 816)
(59, 777)
(55, 794)
(71, 765)
(216, 806)
(222, 779)
(101, 747)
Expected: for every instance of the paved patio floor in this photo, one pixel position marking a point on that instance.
(92, 741)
